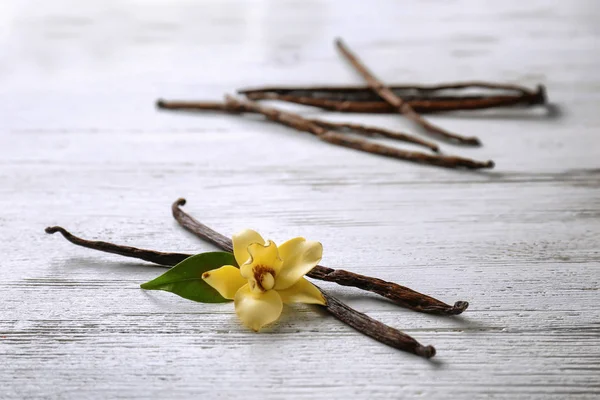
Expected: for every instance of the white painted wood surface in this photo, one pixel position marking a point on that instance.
(81, 145)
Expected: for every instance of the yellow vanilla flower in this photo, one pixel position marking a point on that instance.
(268, 277)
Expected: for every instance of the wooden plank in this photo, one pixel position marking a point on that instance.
(81, 145)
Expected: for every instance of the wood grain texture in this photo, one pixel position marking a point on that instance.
(82, 145)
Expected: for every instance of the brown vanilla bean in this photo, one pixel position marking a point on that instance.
(412, 156)
(375, 131)
(357, 320)
(283, 117)
(401, 106)
(365, 93)
(375, 329)
(195, 105)
(302, 124)
(400, 295)
(296, 121)
(146, 255)
(421, 105)
(235, 106)
(198, 229)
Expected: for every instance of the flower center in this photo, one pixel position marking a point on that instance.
(267, 281)
(264, 277)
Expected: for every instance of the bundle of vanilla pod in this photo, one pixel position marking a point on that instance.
(376, 97)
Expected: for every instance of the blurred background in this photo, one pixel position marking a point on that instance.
(203, 48)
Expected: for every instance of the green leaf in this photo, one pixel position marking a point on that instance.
(185, 279)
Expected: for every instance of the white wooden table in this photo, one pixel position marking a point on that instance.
(81, 145)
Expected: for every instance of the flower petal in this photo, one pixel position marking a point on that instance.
(264, 256)
(256, 310)
(241, 241)
(302, 292)
(299, 256)
(226, 280)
